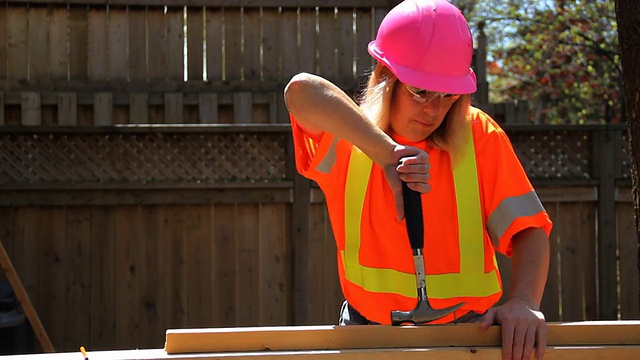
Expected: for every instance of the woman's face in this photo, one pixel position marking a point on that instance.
(415, 113)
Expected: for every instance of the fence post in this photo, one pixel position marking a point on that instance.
(604, 146)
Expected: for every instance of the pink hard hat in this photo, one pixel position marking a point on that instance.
(427, 44)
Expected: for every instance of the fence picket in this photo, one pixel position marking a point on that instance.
(194, 43)
(175, 43)
(67, 109)
(271, 51)
(157, 45)
(17, 51)
(78, 43)
(139, 108)
(31, 108)
(97, 35)
(103, 278)
(3, 43)
(103, 109)
(58, 49)
(173, 108)
(37, 43)
(117, 54)
(214, 29)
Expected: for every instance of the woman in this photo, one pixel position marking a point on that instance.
(415, 124)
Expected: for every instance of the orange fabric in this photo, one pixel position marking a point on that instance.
(384, 239)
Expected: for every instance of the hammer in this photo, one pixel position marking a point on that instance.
(423, 312)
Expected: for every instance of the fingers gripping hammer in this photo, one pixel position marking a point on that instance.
(423, 312)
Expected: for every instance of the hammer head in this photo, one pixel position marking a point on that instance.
(422, 313)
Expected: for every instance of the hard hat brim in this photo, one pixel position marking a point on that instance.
(452, 84)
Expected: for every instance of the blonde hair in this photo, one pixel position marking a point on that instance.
(375, 101)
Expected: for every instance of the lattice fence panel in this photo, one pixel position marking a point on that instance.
(141, 158)
(554, 154)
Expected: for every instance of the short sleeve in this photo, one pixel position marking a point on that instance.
(510, 203)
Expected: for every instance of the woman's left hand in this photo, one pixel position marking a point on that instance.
(523, 329)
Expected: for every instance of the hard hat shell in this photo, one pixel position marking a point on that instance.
(427, 44)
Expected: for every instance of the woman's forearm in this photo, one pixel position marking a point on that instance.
(530, 266)
(320, 106)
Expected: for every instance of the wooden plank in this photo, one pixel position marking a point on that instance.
(53, 242)
(271, 51)
(137, 44)
(306, 51)
(289, 48)
(199, 252)
(77, 307)
(127, 271)
(214, 26)
(292, 338)
(275, 275)
(153, 285)
(224, 285)
(248, 266)
(175, 271)
(58, 49)
(324, 269)
(117, 51)
(305, 265)
(37, 43)
(157, 44)
(138, 108)
(242, 108)
(2, 122)
(17, 50)
(173, 108)
(345, 52)
(3, 42)
(327, 44)
(571, 272)
(67, 109)
(232, 44)
(628, 250)
(488, 353)
(97, 38)
(103, 109)
(195, 41)
(364, 34)
(208, 108)
(567, 194)
(252, 30)
(78, 43)
(103, 278)
(31, 108)
(550, 304)
(174, 18)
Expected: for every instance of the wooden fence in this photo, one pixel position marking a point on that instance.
(146, 178)
(119, 234)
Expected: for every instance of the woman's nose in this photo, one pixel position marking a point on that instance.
(432, 107)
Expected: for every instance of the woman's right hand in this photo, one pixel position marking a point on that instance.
(412, 166)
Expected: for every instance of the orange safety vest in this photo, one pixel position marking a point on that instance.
(471, 281)
(464, 220)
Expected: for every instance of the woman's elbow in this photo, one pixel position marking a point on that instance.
(297, 89)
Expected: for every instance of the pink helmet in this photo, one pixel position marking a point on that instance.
(427, 44)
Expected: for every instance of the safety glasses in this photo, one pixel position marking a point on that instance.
(424, 96)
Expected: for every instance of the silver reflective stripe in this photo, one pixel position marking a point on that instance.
(329, 158)
(510, 209)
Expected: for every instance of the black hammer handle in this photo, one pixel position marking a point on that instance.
(413, 215)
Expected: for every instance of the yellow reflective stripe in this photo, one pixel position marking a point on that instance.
(371, 279)
(471, 281)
